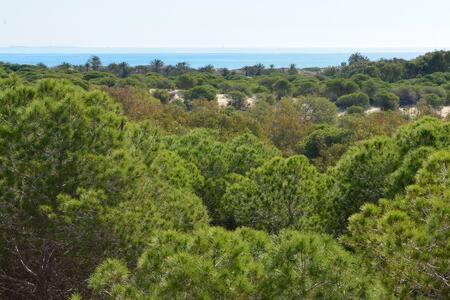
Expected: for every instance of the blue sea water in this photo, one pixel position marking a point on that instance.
(231, 60)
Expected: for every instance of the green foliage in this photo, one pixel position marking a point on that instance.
(391, 71)
(354, 110)
(285, 125)
(361, 176)
(408, 94)
(354, 99)
(186, 82)
(406, 238)
(317, 110)
(203, 92)
(446, 87)
(372, 86)
(424, 132)
(171, 168)
(207, 264)
(237, 156)
(111, 181)
(162, 95)
(110, 273)
(193, 146)
(433, 100)
(157, 81)
(215, 264)
(69, 172)
(437, 61)
(282, 88)
(338, 87)
(268, 81)
(50, 132)
(360, 78)
(387, 101)
(54, 140)
(357, 58)
(302, 266)
(325, 145)
(95, 63)
(280, 194)
(154, 206)
(307, 86)
(137, 104)
(238, 99)
(247, 152)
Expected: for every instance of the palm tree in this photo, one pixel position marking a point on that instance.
(357, 58)
(258, 69)
(225, 72)
(95, 62)
(207, 69)
(64, 66)
(157, 65)
(246, 70)
(123, 69)
(293, 69)
(182, 67)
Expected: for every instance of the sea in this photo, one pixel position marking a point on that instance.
(219, 59)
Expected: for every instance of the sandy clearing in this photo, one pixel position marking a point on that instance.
(445, 111)
(372, 110)
(223, 100)
(176, 95)
(251, 101)
(409, 110)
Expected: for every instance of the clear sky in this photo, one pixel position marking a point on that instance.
(226, 23)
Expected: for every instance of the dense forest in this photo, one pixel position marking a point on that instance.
(167, 182)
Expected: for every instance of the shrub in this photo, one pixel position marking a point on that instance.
(354, 110)
(203, 92)
(387, 101)
(162, 95)
(354, 99)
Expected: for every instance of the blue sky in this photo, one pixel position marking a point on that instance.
(226, 23)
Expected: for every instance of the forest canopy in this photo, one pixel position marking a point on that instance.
(167, 182)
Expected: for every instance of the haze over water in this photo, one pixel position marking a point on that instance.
(230, 59)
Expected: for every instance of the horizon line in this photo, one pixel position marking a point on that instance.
(29, 49)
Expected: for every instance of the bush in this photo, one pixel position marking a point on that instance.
(282, 88)
(372, 86)
(307, 87)
(433, 100)
(339, 87)
(354, 110)
(162, 95)
(407, 94)
(354, 99)
(433, 96)
(202, 92)
(387, 101)
(317, 110)
(283, 193)
(238, 99)
(185, 82)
